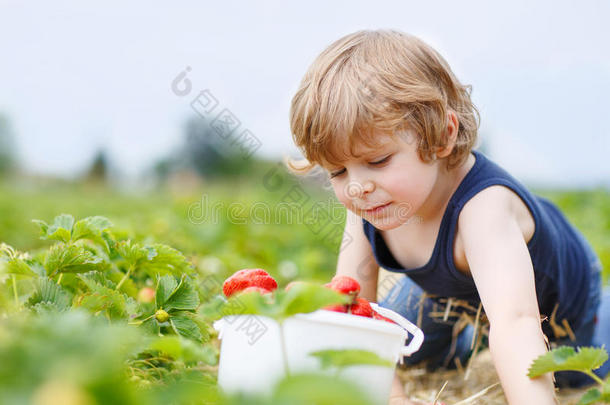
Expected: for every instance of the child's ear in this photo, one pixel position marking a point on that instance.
(450, 135)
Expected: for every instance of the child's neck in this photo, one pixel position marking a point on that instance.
(446, 183)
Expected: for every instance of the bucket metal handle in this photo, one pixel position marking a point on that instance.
(418, 335)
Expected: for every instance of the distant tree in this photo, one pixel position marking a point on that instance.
(7, 146)
(206, 152)
(209, 154)
(98, 171)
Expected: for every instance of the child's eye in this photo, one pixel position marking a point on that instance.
(385, 159)
(337, 173)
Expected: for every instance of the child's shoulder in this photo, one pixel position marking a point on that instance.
(492, 189)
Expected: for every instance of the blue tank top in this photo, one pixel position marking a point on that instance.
(557, 250)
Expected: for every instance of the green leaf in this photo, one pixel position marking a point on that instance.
(134, 253)
(165, 287)
(93, 278)
(46, 308)
(167, 260)
(92, 228)
(248, 303)
(38, 269)
(315, 389)
(102, 298)
(46, 291)
(60, 229)
(42, 225)
(151, 326)
(204, 327)
(184, 326)
(72, 259)
(19, 266)
(592, 396)
(302, 298)
(349, 357)
(184, 297)
(185, 350)
(566, 358)
(308, 297)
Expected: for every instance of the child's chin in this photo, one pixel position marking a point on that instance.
(384, 224)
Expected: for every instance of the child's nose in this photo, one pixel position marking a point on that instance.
(355, 189)
(368, 187)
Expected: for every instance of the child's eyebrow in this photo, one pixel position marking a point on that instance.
(374, 152)
(365, 156)
(363, 153)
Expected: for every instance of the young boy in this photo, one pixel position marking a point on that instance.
(383, 113)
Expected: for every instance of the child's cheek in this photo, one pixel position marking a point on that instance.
(342, 193)
(338, 190)
(412, 189)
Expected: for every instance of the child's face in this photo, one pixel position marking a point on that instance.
(391, 176)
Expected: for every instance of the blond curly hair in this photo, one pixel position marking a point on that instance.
(378, 81)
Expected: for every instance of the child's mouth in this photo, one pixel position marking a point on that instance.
(378, 209)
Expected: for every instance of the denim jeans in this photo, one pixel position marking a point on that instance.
(405, 298)
(595, 329)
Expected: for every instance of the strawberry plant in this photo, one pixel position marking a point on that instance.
(585, 360)
(97, 317)
(175, 305)
(341, 358)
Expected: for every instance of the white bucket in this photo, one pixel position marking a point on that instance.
(251, 351)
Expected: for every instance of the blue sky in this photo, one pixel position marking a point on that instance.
(75, 77)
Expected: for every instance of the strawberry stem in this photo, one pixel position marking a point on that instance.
(140, 322)
(595, 377)
(124, 278)
(15, 290)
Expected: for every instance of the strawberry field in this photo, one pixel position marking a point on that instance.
(108, 297)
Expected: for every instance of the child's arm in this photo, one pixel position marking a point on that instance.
(502, 270)
(356, 258)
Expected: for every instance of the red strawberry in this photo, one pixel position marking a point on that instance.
(345, 285)
(336, 308)
(255, 288)
(146, 295)
(377, 315)
(247, 278)
(361, 307)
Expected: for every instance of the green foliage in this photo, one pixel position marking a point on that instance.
(77, 332)
(586, 360)
(13, 262)
(60, 230)
(101, 297)
(50, 295)
(7, 146)
(313, 389)
(133, 253)
(595, 396)
(176, 295)
(566, 358)
(204, 250)
(301, 298)
(175, 303)
(69, 354)
(72, 259)
(341, 358)
(184, 349)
